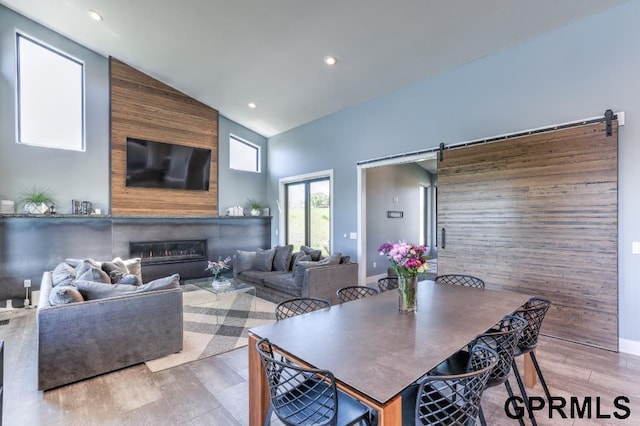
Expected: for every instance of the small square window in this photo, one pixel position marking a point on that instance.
(50, 97)
(243, 155)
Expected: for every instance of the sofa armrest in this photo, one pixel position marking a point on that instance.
(324, 281)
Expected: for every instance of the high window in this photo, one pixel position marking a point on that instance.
(308, 215)
(50, 97)
(243, 155)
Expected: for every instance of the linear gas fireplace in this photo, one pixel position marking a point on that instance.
(160, 252)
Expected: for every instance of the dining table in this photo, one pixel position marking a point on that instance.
(374, 351)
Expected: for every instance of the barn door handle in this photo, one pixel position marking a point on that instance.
(444, 237)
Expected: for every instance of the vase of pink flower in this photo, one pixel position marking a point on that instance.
(216, 267)
(407, 260)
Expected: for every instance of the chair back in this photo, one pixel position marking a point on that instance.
(534, 312)
(388, 283)
(463, 280)
(299, 305)
(504, 340)
(347, 294)
(455, 399)
(299, 396)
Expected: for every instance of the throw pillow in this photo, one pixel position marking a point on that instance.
(63, 294)
(73, 262)
(172, 281)
(85, 265)
(63, 274)
(315, 254)
(301, 258)
(134, 266)
(91, 290)
(334, 259)
(282, 258)
(345, 259)
(243, 261)
(118, 277)
(116, 265)
(95, 274)
(299, 271)
(264, 260)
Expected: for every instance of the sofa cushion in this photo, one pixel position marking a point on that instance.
(283, 282)
(92, 290)
(300, 268)
(116, 265)
(334, 259)
(264, 260)
(314, 253)
(172, 281)
(85, 265)
(303, 258)
(63, 294)
(63, 274)
(244, 260)
(282, 258)
(94, 274)
(118, 277)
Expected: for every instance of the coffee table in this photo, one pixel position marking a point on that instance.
(236, 286)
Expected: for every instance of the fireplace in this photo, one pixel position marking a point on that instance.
(163, 252)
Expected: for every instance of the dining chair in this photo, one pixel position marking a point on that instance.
(307, 396)
(299, 305)
(388, 283)
(455, 399)
(534, 312)
(503, 338)
(463, 280)
(347, 294)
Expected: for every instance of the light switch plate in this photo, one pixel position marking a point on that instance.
(635, 247)
(353, 235)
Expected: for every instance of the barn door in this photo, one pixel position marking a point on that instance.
(538, 214)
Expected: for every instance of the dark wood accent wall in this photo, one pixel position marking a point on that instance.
(539, 214)
(144, 108)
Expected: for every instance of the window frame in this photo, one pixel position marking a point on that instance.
(233, 138)
(83, 116)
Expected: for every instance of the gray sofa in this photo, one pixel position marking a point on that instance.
(84, 339)
(312, 279)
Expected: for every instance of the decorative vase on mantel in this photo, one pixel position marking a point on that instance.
(407, 300)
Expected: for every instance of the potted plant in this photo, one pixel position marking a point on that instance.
(255, 206)
(37, 200)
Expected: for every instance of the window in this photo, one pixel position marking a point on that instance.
(308, 215)
(243, 155)
(50, 97)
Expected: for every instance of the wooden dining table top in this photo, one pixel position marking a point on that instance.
(377, 351)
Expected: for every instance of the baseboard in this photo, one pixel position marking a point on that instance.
(629, 346)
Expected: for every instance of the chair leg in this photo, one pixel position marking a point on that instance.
(483, 422)
(267, 420)
(510, 393)
(523, 392)
(539, 373)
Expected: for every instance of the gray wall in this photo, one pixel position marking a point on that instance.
(69, 174)
(235, 186)
(575, 72)
(406, 182)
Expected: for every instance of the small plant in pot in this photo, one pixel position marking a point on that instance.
(37, 200)
(255, 206)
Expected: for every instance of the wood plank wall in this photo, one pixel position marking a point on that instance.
(538, 214)
(144, 108)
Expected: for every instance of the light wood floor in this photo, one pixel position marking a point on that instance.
(213, 391)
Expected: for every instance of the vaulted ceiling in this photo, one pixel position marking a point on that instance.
(229, 53)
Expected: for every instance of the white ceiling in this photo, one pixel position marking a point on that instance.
(227, 53)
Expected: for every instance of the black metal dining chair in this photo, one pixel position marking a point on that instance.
(388, 283)
(299, 305)
(503, 338)
(463, 280)
(534, 312)
(347, 294)
(455, 399)
(306, 396)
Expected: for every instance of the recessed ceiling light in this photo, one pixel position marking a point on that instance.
(95, 15)
(330, 60)
(252, 105)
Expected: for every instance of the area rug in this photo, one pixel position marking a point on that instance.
(215, 326)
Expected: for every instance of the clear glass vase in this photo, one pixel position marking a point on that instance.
(407, 300)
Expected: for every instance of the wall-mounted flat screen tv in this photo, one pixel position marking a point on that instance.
(165, 165)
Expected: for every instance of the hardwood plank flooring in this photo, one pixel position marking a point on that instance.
(213, 391)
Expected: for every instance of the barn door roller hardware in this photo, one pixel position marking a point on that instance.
(441, 151)
(608, 115)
